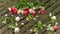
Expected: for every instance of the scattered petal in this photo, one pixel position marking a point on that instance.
(31, 30)
(17, 18)
(22, 23)
(17, 30)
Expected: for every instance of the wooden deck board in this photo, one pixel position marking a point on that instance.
(51, 6)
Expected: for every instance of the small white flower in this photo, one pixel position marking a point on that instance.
(22, 11)
(22, 23)
(36, 33)
(34, 18)
(31, 11)
(56, 23)
(39, 11)
(17, 18)
(16, 24)
(17, 29)
(6, 15)
(53, 17)
(19, 11)
(50, 14)
(37, 16)
(9, 9)
(31, 30)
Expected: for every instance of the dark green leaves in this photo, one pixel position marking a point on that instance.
(30, 4)
(25, 3)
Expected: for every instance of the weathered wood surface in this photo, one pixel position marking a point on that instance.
(50, 6)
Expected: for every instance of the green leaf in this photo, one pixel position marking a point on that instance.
(35, 29)
(29, 17)
(4, 21)
(49, 27)
(11, 18)
(40, 25)
(30, 4)
(12, 26)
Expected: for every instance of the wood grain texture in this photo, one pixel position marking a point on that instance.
(50, 6)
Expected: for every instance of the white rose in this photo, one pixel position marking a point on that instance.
(53, 17)
(19, 11)
(6, 15)
(56, 23)
(17, 18)
(36, 33)
(22, 11)
(17, 29)
(31, 11)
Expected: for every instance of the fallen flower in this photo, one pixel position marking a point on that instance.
(42, 11)
(17, 29)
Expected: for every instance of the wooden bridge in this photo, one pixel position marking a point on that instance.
(50, 6)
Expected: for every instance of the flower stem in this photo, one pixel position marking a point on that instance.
(54, 32)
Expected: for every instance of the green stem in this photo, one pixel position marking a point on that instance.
(54, 32)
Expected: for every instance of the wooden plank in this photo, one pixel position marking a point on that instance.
(52, 7)
(28, 31)
(58, 18)
(6, 7)
(27, 26)
(5, 28)
(1, 24)
(50, 3)
(56, 10)
(8, 32)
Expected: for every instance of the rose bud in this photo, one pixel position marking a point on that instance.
(55, 28)
(17, 18)
(11, 8)
(25, 13)
(15, 11)
(17, 30)
(34, 13)
(37, 7)
(27, 9)
(42, 11)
